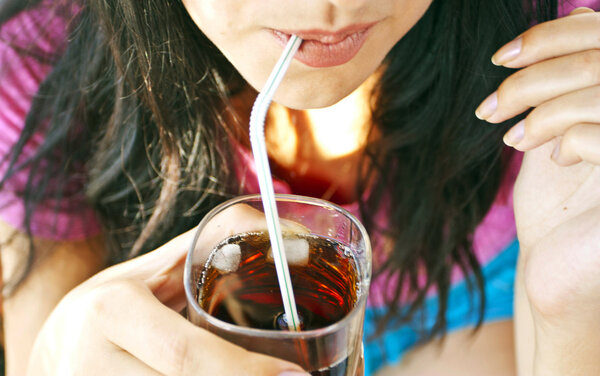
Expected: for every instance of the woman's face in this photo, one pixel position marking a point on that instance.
(345, 41)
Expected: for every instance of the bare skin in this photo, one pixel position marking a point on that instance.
(62, 266)
(155, 285)
(156, 278)
(556, 206)
(557, 201)
(488, 351)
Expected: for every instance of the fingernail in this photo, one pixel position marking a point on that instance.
(487, 107)
(508, 52)
(515, 134)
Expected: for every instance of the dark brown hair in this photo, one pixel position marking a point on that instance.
(137, 107)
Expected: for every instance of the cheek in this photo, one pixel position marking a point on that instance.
(409, 13)
(403, 18)
(213, 16)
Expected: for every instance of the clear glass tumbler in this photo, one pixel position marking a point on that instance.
(232, 289)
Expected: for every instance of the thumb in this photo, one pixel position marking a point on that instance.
(162, 269)
(170, 257)
(581, 10)
(155, 267)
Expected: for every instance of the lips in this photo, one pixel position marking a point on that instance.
(321, 49)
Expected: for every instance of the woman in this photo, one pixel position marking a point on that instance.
(138, 128)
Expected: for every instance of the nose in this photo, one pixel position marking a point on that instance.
(349, 4)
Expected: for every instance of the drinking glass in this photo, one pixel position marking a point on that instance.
(330, 283)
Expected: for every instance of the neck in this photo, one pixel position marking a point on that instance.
(317, 151)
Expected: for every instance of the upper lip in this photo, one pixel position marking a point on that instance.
(329, 37)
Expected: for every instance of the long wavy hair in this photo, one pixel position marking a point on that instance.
(134, 113)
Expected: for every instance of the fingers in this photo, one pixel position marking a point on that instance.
(166, 282)
(169, 259)
(578, 32)
(122, 363)
(540, 83)
(560, 56)
(131, 317)
(560, 79)
(579, 143)
(236, 219)
(550, 119)
(166, 259)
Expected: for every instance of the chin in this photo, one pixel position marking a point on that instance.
(308, 94)
(306, 101)
(306, 88)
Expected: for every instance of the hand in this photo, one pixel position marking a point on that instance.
(561, 81)
(557, 208)
(557, 194)
(124, 321)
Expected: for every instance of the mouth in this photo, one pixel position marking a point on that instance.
(322, 49)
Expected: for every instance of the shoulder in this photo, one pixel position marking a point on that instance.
(58, 267)
(60, 260)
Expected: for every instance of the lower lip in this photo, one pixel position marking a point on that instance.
(322, 55)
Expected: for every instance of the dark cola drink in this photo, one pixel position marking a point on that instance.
(239, 284)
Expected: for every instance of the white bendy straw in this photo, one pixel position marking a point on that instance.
(265, 181)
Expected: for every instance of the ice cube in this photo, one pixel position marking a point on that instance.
(227, 258)
(296, 251)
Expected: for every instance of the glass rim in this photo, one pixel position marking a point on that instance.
(254, 332)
